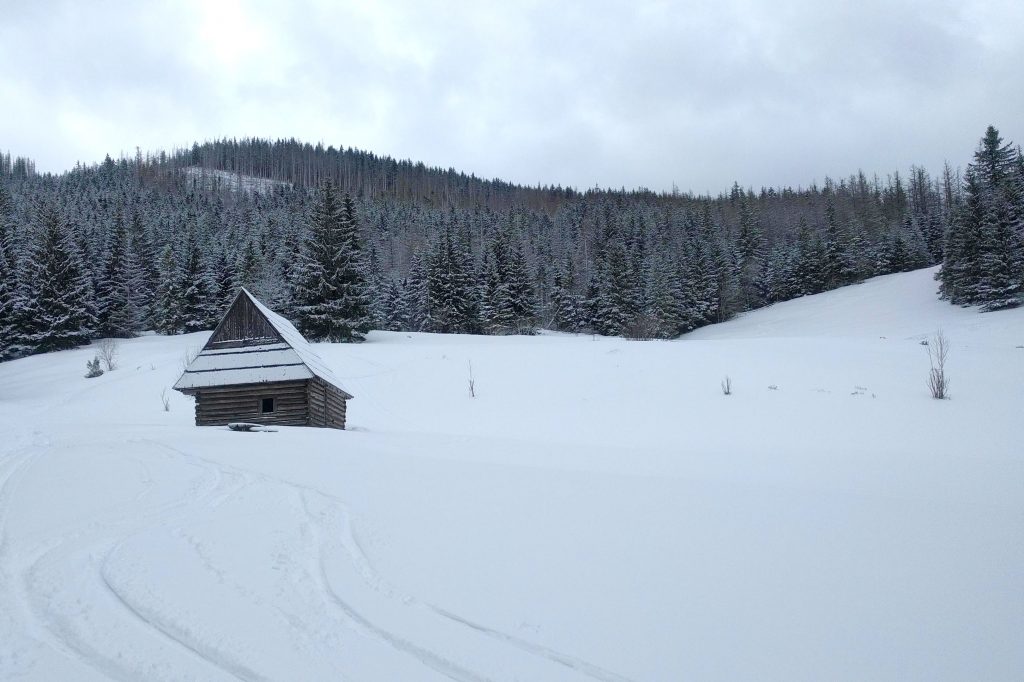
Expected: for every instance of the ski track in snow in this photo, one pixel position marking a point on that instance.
(98, 540)
(571, 662)
(349, 545)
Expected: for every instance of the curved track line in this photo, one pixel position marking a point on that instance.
(369, 574)
(203, 489)
(576, 664)
(428, 658)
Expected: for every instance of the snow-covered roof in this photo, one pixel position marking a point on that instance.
(299, 344)
(287, 358)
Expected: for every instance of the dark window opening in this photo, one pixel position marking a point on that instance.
(266, 405)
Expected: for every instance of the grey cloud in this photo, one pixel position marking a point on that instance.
(575, 93)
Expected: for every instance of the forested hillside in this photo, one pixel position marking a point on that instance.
(163, 241)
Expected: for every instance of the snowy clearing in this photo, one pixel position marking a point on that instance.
(600, 511)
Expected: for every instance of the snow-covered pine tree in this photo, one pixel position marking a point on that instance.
(495, 308)
(416, 295)
(117, 302)
(167, 313)
(225, 282)
(507, 297)
(520, 288)
(142, 270)
(197, 302)
(60, 292)
(983, 253)
(1001, 262)
(749, 248)
(667, 298)
(377, 290)
(566, 304)
(809, 264)
(8, 295)
(450, 288)
(836, 267)
(330, 292)
(395, 316)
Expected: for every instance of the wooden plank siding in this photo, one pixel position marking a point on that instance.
(242, 325)
(326, 405)
(336, 407)
(311, 402)
(221, 405)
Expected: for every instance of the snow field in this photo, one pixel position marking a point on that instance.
(599, 511)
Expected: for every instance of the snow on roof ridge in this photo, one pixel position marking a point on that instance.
(314, 363)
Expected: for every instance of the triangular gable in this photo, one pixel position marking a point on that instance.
(244, 324)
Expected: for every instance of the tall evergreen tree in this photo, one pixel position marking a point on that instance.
(225, 283)
(984, 254)
(451, 292)
(167, 314)
(197, 303)
(118, 306)
(60, 290)
(10, 342)
(331, 300)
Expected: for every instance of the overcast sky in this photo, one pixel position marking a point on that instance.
(575, 93)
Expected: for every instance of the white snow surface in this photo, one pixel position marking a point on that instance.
(600, 510)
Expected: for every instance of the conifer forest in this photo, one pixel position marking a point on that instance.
(342, 241)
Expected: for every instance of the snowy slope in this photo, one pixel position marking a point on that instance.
(600, 511)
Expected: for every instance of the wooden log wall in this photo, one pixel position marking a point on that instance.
(326, 405)
(225, 404)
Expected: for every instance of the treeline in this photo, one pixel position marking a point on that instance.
(161, 242)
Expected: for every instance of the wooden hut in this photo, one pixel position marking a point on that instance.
(257, 368)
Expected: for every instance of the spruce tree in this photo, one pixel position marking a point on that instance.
(984, 250)
(450, 289)
(667, 301)
(416, 296)
(167, 314)
(8, 291)
(60, 292)
(225, 285)
(565, 302)
(749, 247)
(330, 294)
(197, 303)
(118, 308)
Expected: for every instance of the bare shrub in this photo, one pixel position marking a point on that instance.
(727, 386)
(189, 356)
(472, 381)
(938, 351)
(109, 349)
(166, 400)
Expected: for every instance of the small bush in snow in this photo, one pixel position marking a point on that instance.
(108, 353)
(166, 400)
(472, 382)
(727, 386)
(93, 368)
(938, 382)
(191, 354)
